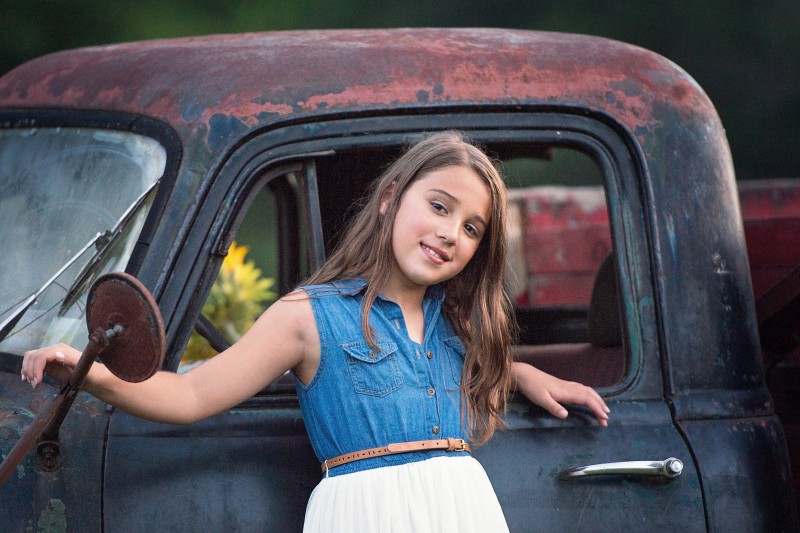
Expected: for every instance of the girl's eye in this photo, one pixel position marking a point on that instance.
(472, 230)
(439, 206)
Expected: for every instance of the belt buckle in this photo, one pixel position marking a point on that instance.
(460, 445)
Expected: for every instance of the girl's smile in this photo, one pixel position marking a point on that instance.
(437, 255)
(439, 224)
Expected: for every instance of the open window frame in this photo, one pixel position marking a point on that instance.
(327, 197)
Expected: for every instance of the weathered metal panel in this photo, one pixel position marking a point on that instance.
(68, 499)
(224, 85)
(744, 466)
(244, 470)
(535, 497)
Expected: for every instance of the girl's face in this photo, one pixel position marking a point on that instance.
(439, 224)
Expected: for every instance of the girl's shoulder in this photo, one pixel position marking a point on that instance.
(345, 287)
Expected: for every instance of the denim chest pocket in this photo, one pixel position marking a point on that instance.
(455, 357)
(374, 373)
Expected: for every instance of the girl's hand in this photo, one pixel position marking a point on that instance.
(58, 360)
(549, 392)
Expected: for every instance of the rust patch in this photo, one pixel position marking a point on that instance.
(53, 518)
(257, 78)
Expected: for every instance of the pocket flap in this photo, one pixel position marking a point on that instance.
(364, 352)
(455, 343)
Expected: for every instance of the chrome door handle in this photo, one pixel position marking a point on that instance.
(668, 468)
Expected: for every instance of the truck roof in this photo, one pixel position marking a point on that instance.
(223, 85)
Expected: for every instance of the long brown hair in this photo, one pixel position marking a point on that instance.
(475, 302)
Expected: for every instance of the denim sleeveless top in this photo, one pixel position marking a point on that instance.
(361, 398)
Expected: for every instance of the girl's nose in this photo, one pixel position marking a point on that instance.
(448, 233)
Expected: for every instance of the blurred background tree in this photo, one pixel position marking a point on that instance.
(743, 53)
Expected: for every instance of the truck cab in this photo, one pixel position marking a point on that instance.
(184, 162)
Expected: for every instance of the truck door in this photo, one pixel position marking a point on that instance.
(576, 206)
(581, 282)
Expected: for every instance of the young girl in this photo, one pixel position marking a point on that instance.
(400, 346)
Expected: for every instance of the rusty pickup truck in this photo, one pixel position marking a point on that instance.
(629, 267)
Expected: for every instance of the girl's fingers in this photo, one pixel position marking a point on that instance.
(554, 408)
(597, 405)
(57, 360)
(576, 393)
(33, 367)
(550, 393)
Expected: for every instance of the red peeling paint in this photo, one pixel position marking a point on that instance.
(258, 78)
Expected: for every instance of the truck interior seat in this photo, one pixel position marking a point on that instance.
(604, 310)
(601, 362)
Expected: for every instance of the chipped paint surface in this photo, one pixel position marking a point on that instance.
(32, 500)
(225, 84)
(53, 518)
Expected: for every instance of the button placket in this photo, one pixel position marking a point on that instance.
(434, 415)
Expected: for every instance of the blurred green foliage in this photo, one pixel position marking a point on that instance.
(743, 53)
(238, 297)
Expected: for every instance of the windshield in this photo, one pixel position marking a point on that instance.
(72, 204)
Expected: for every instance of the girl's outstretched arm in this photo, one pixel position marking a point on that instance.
(550, 392)
(284, 337)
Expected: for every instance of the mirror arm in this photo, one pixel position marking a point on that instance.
(209, 332)
(98, 343)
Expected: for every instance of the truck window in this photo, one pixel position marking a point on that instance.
(72, 204)
(561, 272)
(561, 268)
(264, 261)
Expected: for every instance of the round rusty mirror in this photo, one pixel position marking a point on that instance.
(119, 299)
(126, 332)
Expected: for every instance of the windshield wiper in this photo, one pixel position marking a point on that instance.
(9, 323)
(102, 240)
(109, 238)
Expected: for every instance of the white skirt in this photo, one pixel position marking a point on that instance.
(437, 495)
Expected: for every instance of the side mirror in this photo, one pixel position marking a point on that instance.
(125, 331)
(118, 301)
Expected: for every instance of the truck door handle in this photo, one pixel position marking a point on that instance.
(668, 468)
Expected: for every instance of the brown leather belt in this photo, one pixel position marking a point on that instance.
(449, 444)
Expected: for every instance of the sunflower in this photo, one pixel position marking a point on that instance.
(239, 295)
